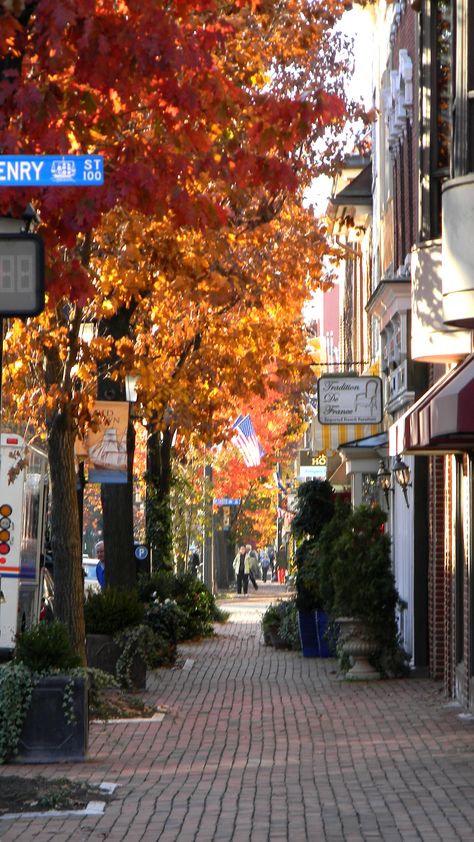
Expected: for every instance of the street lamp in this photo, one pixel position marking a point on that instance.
(402, 476)
(384, 481)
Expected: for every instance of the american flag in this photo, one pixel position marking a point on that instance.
(245, 439)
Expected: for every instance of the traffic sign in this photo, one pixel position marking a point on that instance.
(51, 170)
(21, 275)
(141, 552)
(226, 501)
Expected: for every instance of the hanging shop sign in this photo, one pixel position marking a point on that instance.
(349, 400)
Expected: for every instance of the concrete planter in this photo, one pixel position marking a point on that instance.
(358, 644)
(47, 736)
(103, 653)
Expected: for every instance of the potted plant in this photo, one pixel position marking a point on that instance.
(275, 623)
(357, 564)
(43, 699)
(315, 508)
(112, 617)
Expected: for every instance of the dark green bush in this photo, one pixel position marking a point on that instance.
(314, 508)
(282, 617)
(308, 582)
(157, 587)
(46, 647)
(111, 611)
(165, 619)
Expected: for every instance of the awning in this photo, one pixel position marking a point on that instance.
(442, 420)
(327, 438)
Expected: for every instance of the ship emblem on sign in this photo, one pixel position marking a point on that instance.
(62, 170)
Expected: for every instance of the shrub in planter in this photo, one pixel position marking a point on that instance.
(43, 698)
(165, 619)
(111, 619)
(279, 625)
(198, 606)
(156, 588)
(111, 611)
(363, 584)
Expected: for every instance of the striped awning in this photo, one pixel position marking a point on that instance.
(327, 438)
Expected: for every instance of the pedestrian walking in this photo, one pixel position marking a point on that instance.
(253, 566)
(265, 565)
(241, 565)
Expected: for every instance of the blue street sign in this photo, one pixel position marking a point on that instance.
(51, 170)
(226, 501)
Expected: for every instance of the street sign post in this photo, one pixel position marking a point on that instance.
(51, 170)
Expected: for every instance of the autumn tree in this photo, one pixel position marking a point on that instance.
(208, 116)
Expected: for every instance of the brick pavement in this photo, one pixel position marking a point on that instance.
(259, 745)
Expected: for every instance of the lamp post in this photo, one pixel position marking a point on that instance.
(402, 476)
(384, 481)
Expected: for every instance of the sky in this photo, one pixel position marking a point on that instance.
(354, 23)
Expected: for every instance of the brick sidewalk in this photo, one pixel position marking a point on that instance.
(259, 745)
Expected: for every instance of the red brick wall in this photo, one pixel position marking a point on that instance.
(406, 164)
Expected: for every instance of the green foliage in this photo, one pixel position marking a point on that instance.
(46, 648)
(329, 535)
(197, 606)
(288, 631)
(111, 611)
(315, 507)
(362, 583)
(308, 582)
(159, 586)
(16, 687)
(165, 619)
(280, 624)
(136, 642)
(43, 650)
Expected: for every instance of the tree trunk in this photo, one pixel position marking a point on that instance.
(158, 504)
(65, 539)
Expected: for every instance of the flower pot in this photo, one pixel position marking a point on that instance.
(313, 629)
(103, 652)
(357, 643)
(47, 736)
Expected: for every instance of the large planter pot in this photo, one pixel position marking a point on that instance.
(313, 634)
(103, 653)
(47, 736)
(357, 643)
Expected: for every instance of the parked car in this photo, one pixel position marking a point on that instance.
(90, 575)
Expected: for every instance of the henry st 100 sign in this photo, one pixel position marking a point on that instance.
(51, 170)
(349, 400)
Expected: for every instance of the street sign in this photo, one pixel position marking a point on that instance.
(21, 275)
(226, 501)
(141, 552)
(51, 170)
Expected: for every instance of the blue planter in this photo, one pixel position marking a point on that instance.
(313, 628)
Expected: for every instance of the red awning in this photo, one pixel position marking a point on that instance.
(442, 420)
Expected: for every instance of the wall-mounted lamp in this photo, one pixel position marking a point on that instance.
(384, 481)
(402, 476)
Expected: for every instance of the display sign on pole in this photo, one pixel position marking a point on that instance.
(349, 399)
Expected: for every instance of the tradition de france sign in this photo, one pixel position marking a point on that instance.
(51, 170)
(349, 400)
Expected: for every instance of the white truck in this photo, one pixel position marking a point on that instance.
(23, 508)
